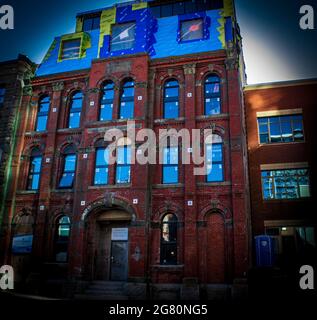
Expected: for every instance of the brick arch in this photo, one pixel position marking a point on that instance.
(57, 213)
(109, 202)
(30, 146)
(126, 76)
(168, 207)
(65, 144)
(215, 207)
(172, 75)
(73, 88)
(106, 78)
(209, 70)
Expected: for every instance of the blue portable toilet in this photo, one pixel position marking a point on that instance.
(264, 249)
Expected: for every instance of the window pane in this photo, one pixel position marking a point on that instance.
(67, 180)
(41, 123)
(102, 157)
(217, 152)
(71, 49)
(70, 162)
(74, 120)
(128, 90)
(126, 110)
(123, 37)
(124, 155)
(101, 176)
(106, 112)
(192, 30)
(275, 131)
(123, 173)
(216, 173)
(171, 92)
(212, 88)
(212, 106)
(170, 174)
(171, 110)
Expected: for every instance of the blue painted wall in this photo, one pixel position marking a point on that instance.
(157, 37)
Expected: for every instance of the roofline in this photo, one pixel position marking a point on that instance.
(80, 14)
(277, 84)
(21, 57)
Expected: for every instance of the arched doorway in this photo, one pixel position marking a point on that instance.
(111, 245)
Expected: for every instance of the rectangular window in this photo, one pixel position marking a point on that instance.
(68, 175)
(192, 30)
(2, 93)
(123, 36)
(91, 23)
(123, 173)
(279, 129)
(285, 184)
(70, 49)
(214, 162)
(170, 165)
(34, 173)
(101, 166)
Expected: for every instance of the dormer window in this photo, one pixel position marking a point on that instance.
(70, 49)
(123, 36)
(192, 30)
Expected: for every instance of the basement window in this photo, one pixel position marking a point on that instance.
(70, 49)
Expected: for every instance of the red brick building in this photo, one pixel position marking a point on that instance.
(175, 234)
(280, 120)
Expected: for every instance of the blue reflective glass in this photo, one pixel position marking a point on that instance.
(170, 174)
(67, 180)
(102, 156)
(212, 106)
(171, 92)
(128, 92)
(41, 123)
(123, 173)
(106, 112)
(124, 155)
(212, 79)
(171, 110)
(216, 173)
(34, 173)
(2, 93)
(101, 176)
(126, 110)
(70, 162)
(74, 120)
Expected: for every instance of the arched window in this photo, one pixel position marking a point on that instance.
(214, 158)
(69, 168)
(42, 113)
(75, 107)
(106, 106)
(127, 100)
(34, 170)
(169, 239)
(212, 95)
(62, 239)
(123, 169)
(170, 164)
(171, 99)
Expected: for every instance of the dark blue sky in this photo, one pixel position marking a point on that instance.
(275, 48)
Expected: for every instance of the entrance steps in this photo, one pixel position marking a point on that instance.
(104, 290)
